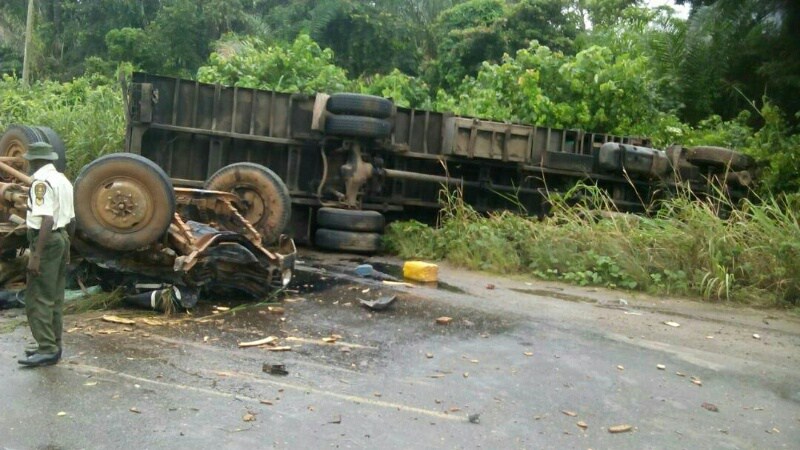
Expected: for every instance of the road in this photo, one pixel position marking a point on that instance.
(523, 364)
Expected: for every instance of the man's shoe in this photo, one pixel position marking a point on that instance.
(39, 359)
(30, 351)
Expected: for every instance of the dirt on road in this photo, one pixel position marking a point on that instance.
(521, 364)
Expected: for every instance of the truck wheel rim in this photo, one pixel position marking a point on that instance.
(122, 204)
(254, 204)
(17, 149)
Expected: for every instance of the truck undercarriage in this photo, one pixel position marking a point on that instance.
(135, 229)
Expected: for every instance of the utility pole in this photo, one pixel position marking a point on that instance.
(26, 58)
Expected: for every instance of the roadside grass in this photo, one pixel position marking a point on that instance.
(8, 326)
(87, 113)
(752, 256)
(94, 302)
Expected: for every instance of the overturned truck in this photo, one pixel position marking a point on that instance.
(349, 160)
(138, 231)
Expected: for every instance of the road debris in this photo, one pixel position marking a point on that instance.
(331, 339)
(367, 271)
(661, 367)
(696, 381)
(421, 271)
(569, 413)
(61, 414)
(398, 283)
(249, 417)
(285, 348)
(466, 374)
(490, 286)
(527, 353)
(116, 319)
(277, 310)
(274, 369)
(336, 420)
(620, 367)
(379, 304)
(474, 418)
(582, 424)
(756, 336)
(444, 320)
(710, 406)
(620, 428)
(429, 355)
(134, 409)
(265, 402)
(672, 324)
(680, 374)
(265, 341)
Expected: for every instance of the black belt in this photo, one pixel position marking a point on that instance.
(57, 230)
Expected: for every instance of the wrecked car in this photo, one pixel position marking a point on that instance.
(137, 231)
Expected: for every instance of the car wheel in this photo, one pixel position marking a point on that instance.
(58, 146)
(266, 200)
(350, 220)
(360, 105)
(123, 201)
(347, 241)
(15, 142)
(357, 126)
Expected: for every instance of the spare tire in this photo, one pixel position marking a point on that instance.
(348, 241)
(360, 105)
(268, 206)
(123, 201)
(15, 142)
(357, 126)
(350, 220)
(720, 157)
(58, 146)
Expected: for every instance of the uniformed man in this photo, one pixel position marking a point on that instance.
(50, 221)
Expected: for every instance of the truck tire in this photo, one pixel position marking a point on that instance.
(268, 206)
(357, 126)
(350, 220)
(360, 105)
(15, 142)
(347, 241)
(123, 201)
(719, 157)
(58, 146)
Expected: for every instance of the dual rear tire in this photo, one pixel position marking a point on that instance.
(349, 230)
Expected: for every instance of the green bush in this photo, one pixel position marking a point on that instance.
(87, 112)
(752, 256)
(249, 62)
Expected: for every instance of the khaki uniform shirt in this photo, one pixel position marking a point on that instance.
(50, 195)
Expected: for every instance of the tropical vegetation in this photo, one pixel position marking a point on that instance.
(727, 74)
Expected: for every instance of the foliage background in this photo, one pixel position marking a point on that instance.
(727, 75)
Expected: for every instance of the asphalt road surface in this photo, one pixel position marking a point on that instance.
(522, 364)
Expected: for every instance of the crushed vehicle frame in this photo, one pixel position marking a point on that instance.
(136, 229)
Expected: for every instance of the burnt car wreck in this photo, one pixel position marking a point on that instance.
(137, 232)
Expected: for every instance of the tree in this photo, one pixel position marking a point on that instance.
(737, 50)
(466, 35)
(300, 66)
(594, 90)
